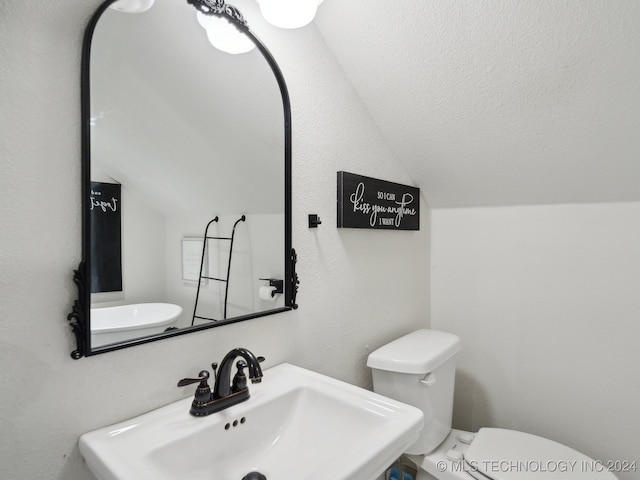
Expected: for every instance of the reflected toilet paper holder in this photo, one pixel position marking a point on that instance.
(274, 282)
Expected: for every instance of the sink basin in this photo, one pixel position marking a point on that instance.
(298, 424)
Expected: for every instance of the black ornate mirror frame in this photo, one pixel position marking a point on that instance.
(79, 317)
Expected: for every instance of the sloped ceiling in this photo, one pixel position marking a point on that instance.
(499, 102)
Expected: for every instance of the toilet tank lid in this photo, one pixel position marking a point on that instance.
(418, 352)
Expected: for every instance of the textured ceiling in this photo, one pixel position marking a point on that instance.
(501, 102)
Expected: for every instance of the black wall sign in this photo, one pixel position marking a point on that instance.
(106, 243)
(365, 202)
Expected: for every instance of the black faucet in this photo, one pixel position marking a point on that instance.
(225, 392)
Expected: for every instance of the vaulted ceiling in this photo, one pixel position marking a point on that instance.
(499, 102)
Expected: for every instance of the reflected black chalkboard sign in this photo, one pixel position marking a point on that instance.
(365, 202)
(105, 241)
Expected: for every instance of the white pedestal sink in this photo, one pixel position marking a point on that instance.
(297, 425)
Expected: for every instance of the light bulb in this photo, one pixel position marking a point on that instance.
(132, 6)
(289, 13)
(223, 35)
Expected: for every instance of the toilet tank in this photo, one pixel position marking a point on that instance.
(419, 369)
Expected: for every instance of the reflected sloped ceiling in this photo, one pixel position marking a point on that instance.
(185, 126)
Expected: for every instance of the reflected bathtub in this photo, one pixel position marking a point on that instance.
(126, 322)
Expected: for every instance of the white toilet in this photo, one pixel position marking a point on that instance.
(419, 369)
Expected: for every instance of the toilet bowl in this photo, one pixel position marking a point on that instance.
(419, 369)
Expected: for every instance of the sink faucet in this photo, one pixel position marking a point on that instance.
(225, 392)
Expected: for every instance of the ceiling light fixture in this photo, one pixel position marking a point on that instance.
(132, 6)
(224, 23)
(226, 28)
(224, 34)
(289, 13)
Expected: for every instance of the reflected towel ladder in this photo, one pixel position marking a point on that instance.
(201, 277)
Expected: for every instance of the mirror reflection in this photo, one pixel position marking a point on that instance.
(184, 138)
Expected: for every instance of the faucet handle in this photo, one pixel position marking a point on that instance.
(258, 378)
(203, 392)
(204, 376)
(239, 380)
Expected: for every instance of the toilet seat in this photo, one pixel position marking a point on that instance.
(500, 454)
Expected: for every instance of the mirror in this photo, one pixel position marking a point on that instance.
(186, 178)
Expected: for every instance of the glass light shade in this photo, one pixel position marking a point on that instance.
(132, 6)
(289, 13)
(224, 35)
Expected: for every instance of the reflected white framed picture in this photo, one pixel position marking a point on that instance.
(191, 259)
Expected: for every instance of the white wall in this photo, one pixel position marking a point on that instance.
(358, 289)
(143, 247)
(546, 302)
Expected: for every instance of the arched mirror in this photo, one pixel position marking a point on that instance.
(186, 176)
